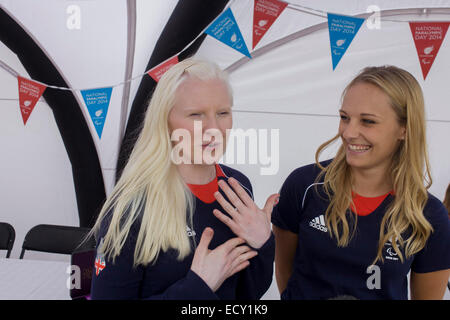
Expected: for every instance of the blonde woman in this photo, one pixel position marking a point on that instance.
(166, 231)
(356, 225)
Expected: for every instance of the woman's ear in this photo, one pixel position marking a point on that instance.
(402, 133)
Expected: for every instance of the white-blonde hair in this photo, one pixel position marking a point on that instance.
(150, 188)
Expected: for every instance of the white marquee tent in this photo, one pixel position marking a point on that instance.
(288, 85)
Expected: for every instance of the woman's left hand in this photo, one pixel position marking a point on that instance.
(247, 220)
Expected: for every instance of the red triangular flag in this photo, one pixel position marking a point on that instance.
(29, 94)
(428, 37)
(157, 72)
(265, 13)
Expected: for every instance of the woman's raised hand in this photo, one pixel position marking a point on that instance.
(246, 220)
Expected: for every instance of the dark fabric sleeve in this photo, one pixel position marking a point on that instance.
(257, 277)
(191, 287)
(436, 254)
(286, 214)
(119, 280)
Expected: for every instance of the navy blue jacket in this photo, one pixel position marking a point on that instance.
(169, 278)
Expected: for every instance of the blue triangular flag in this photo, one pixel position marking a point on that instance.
(342, 30)
(97, 102)
(226, 30)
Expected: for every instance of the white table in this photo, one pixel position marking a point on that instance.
(34, 280)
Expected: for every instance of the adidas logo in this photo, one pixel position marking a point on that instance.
(319, 223)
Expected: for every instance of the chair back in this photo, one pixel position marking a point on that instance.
(57, 239)
(7, 237)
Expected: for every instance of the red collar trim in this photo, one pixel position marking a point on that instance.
(219, 172)
(366, 205)
(205, 192)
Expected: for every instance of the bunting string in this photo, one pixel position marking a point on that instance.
(15, 74)
(427, 35)
(290, 5)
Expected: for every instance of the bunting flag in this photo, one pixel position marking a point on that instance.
(29, 94)
(342, 30)
(97, 102)
(226, 30)
(157, 72)
(428, 37)
(265, 13)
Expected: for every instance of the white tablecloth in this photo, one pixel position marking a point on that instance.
(34, 280)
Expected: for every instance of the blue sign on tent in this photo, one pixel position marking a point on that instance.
(226, 30)
(342, 30)
(97, 102)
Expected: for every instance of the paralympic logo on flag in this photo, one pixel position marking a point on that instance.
(97, 102)
(342, 30)
(226, 30)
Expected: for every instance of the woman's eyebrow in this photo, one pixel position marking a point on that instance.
(191, 108)
(363, 114)
(370, 114)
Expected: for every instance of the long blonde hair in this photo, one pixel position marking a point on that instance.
(150, 188)
(409, 169)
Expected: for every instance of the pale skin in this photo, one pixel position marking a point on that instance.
(370, 133)
(209, 102)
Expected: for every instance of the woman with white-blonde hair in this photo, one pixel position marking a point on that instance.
(357, 224)
(167, 231)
